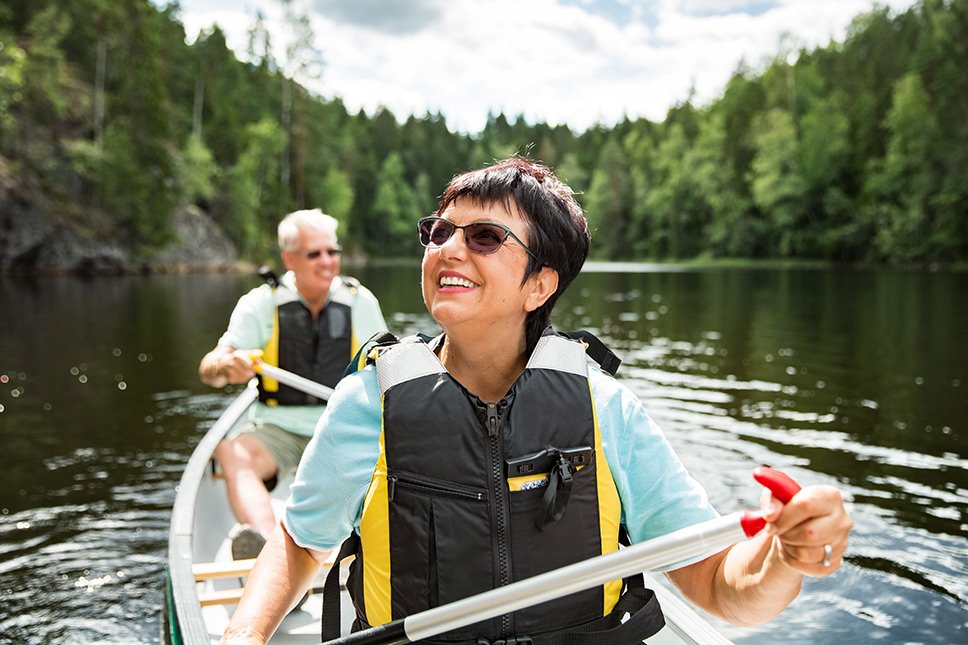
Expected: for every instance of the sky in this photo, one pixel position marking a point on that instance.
(572, 62)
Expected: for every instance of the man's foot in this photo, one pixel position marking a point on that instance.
(246, 542)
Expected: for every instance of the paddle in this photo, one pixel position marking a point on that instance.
(292, 380)
(690, 542)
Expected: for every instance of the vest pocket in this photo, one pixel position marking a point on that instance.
(575, 536)
(434, 555)
(423, 485)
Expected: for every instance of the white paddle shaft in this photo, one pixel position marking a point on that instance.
(295, 381)
(694, 541)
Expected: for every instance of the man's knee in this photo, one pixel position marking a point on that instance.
(245, 453)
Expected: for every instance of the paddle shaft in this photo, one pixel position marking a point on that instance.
(294, 380)
(684, 544)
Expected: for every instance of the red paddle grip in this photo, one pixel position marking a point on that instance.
(779, 483)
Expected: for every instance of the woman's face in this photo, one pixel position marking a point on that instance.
(463, 289)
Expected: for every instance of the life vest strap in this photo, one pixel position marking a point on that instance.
(606, 358)
(331, 619)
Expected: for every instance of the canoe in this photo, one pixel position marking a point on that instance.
(203, 583)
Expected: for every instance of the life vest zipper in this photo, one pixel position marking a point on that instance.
(431, 486)
(493, 416)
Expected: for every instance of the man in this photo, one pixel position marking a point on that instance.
(311, 323)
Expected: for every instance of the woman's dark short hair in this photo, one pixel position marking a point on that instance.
(557, 229)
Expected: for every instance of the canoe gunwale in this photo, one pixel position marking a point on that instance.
(187, 608)
(188, 620)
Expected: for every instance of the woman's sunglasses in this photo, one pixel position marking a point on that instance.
(480, 237)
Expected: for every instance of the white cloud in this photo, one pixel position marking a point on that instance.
(559, 61)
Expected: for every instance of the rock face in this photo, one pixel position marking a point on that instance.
(202, 245)
(31, 243)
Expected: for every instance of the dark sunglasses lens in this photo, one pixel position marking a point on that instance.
(435, 232)
(312, 255)
(485, 238)
(334, 253)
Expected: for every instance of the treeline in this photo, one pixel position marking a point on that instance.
(855, 152)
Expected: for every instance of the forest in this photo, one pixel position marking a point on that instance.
(856, 152)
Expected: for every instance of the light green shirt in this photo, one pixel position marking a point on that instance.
(250, 328)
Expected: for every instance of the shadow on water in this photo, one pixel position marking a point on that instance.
(848, 378)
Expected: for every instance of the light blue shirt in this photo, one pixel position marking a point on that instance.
(250, 328)
(658, 495)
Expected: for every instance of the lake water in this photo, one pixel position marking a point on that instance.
(858, 379)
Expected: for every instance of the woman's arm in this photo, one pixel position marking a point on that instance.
(280, 577)
(753, 581)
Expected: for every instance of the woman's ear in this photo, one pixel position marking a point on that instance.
(542, 286)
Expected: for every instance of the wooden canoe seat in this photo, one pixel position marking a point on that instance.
(222, 597)
(215, 570)
(227, 569)
(234, 569)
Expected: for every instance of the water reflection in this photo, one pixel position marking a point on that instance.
(854, 379)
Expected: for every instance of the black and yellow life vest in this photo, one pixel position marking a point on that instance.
(467, 496)
(315, 349)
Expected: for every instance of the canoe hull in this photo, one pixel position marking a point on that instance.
(202, 520)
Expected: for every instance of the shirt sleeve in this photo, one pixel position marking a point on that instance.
(658, 494)
(251, 321)
(326, 496)
(367, 315)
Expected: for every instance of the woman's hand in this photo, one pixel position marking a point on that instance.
(242, 637)
(810, 531)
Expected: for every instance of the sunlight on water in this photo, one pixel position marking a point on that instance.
(854, 380)
(808, 418)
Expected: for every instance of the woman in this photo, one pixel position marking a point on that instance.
(494, 452)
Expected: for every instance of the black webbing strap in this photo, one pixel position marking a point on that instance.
(595, 348)
(645, 620)
(556, 495)
(331, 621)
(641, 604)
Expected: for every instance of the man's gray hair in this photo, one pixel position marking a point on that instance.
(293, 223)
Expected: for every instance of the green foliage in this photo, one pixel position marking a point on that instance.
(857, 151)
(395, 210)
(904, 183)
(44, 64)
(778, 187)
(251, 185)
(197, 171)
(130, 190)
(12, 60)
(607, 203)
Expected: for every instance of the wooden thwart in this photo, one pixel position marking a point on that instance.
(222, 597)
(227, 569)
(216, 570)
(233, 569)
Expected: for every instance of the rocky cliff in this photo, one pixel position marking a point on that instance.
(33, 239)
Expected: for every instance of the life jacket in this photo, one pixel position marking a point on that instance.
(467, 496)
(315, 349)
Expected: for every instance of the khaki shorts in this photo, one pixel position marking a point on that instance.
(284, 446)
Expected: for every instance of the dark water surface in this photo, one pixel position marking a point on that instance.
(858, 379)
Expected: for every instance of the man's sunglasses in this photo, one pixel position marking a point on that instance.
(480, 237)
(316, 253)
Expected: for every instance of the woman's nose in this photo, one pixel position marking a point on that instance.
(453, 246)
